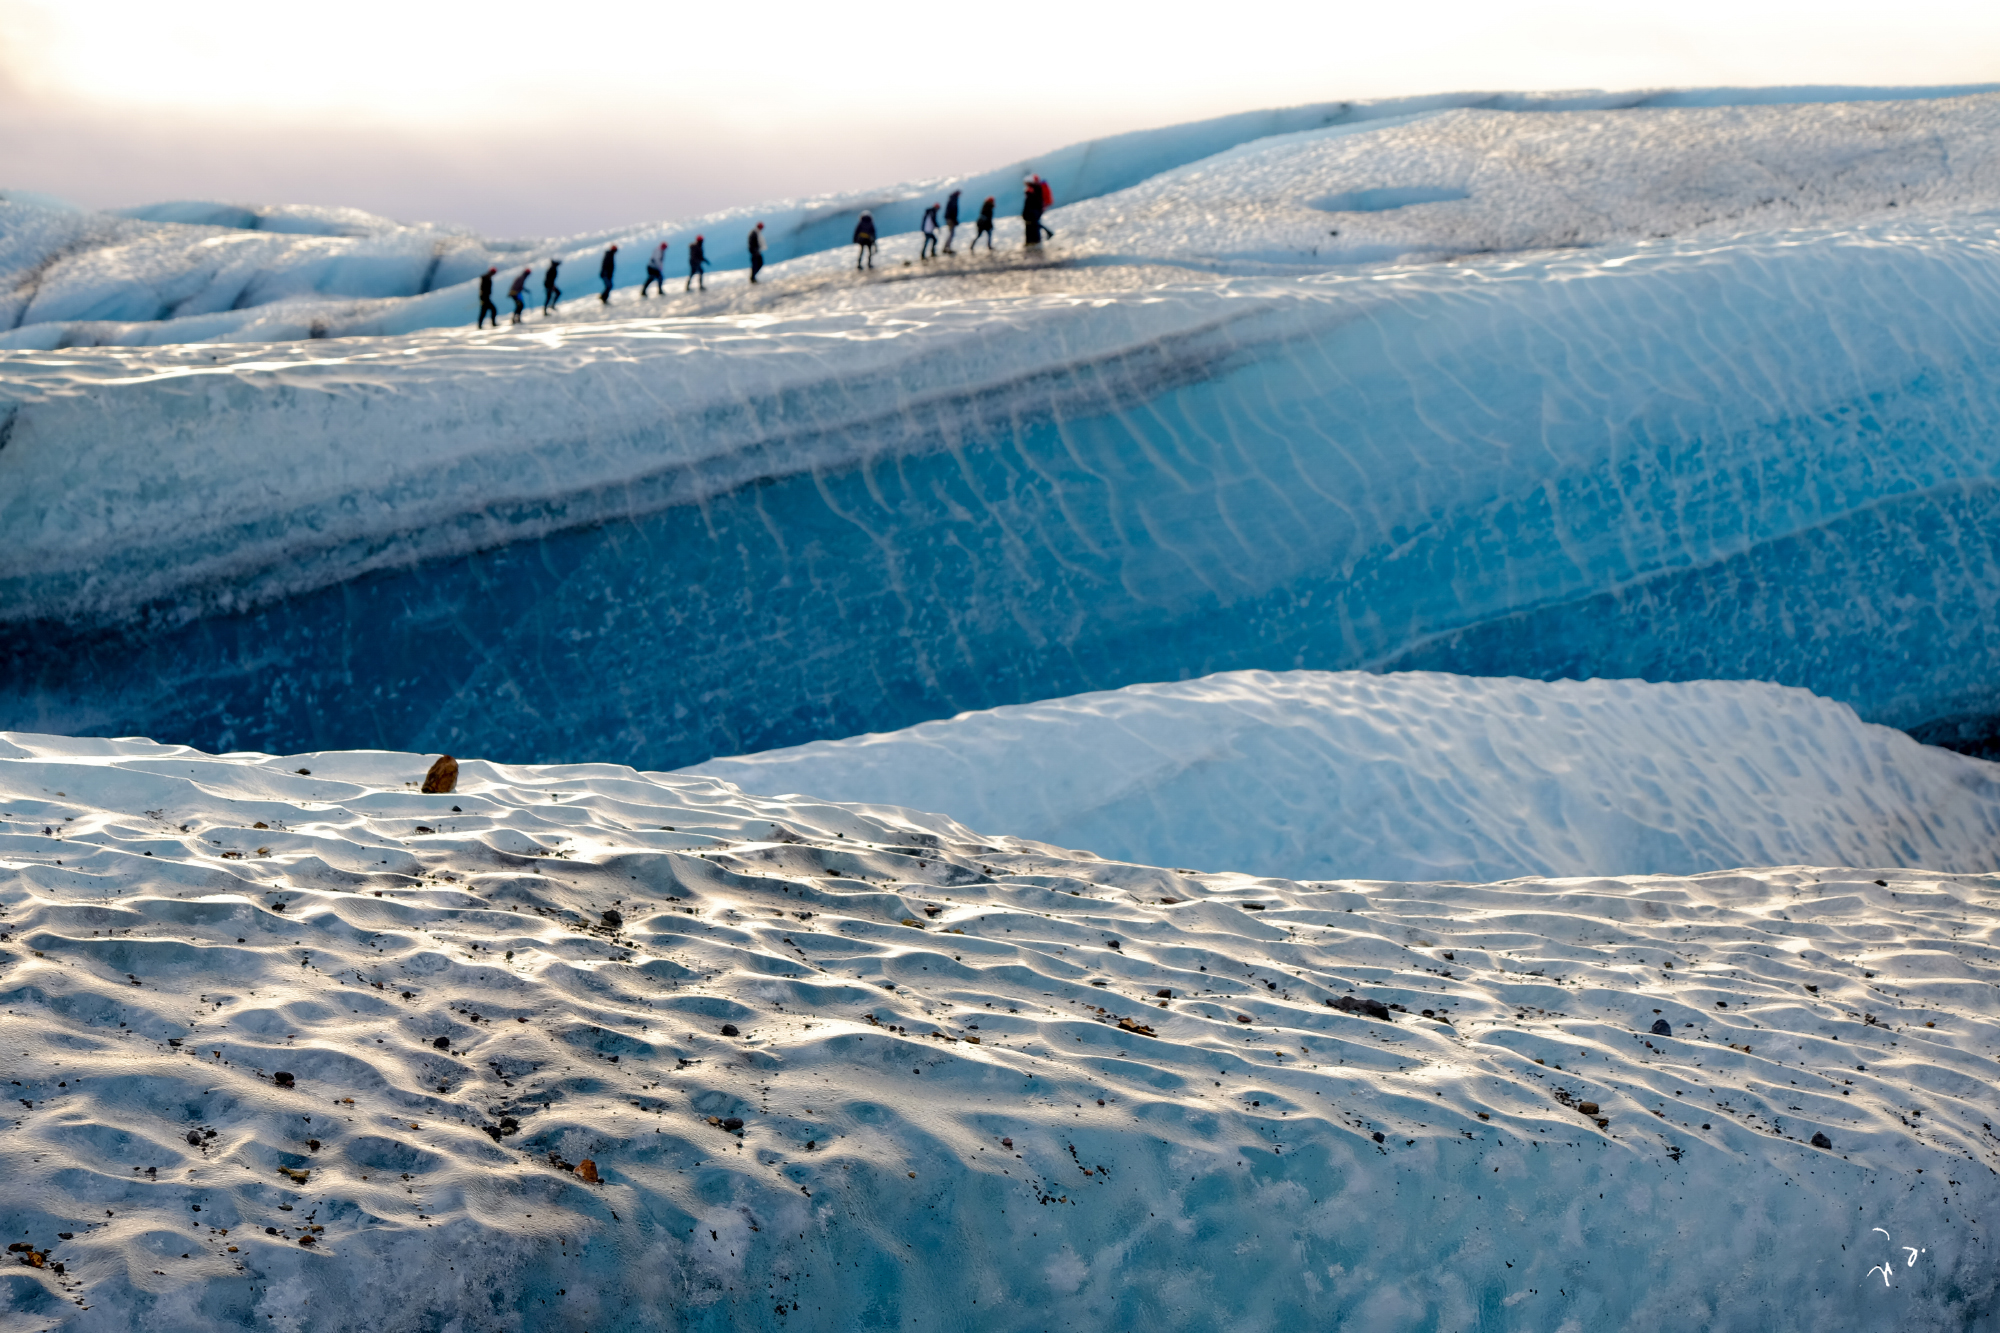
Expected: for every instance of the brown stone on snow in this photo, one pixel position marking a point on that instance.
(443, 777)
(586, 1171)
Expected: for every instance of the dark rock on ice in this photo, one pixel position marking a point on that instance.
(282, 1079)
(613, 918)
(1662, 1028)
(1820, 1140)
(443, 777)
(729, 1030)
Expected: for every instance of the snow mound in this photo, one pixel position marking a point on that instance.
(1315, 775)
(827, 1058)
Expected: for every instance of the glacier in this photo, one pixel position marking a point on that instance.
(1717, 405)
(293, 1044)
(1308, 775)
(1214, 739)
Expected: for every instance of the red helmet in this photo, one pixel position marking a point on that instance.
(697, 238)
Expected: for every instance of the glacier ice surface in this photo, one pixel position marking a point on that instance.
(1718, 403)
(934, 1040)
(1418, 776)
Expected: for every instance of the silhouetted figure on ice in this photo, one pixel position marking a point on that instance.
(1035, 198)
(756, 250)
(656, 271)
(605, 271)
(983, 226)
(697, 266)
(930, 230)
(950, 221)
(864, 240)
(520, 301)
(486, 306)
(550, 292)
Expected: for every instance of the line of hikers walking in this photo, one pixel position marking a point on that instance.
(1036, 198)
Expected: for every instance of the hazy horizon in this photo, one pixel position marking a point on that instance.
(625, 114)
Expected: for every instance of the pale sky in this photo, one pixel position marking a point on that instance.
(537, 120)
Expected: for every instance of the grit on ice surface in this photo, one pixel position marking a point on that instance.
(942, 1041)
(1419, 775)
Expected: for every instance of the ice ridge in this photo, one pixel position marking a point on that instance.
(1546, 441)
(1314, 775)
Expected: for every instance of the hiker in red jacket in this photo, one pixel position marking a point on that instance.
(1036, 197)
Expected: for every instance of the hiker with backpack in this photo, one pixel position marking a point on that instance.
(520, 301)
(1035, 199)
(656, 271)
(983, 226)
(697, 266)
(864, 240)
(756, 250)
(605, 270)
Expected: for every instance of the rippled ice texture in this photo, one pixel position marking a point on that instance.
(1670, 393)
(937, 1047)
(1416, 775)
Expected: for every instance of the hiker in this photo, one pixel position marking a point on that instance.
(605, 270)
(520, 301)
(697, 264)
(950, 221)
(656, 271)
(983, 226)
(550, 292)
(864, 239)
(930, 230)
(486, 306)
(756, 250)
(1035, 197)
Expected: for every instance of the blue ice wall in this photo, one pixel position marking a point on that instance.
(1771, 460)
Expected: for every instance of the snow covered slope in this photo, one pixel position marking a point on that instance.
(206, 274)
(1746, 430)
(827, 1063)
(1315, 775)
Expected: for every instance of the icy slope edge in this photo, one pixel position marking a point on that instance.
(1417, 775)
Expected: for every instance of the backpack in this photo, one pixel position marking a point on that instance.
(1048, 195)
